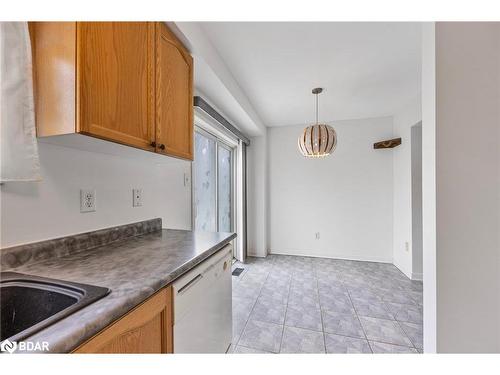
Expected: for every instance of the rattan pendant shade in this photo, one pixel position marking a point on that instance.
(319, 140)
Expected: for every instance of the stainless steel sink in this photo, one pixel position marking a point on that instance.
(31, 303)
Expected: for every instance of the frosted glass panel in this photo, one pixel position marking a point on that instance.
(224, 186)
(204, 184)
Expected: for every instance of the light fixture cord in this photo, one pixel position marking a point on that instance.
(316, 109)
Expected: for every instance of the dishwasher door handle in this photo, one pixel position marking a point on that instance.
(190, 284)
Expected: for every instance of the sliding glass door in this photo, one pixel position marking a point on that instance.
(204, 171)
(213, 184)
(224, 188)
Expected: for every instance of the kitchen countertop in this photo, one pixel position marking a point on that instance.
(133, 268)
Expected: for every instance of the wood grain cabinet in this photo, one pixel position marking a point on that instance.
(146, 329)
(116, 87)
(174, 95)
(126, 82)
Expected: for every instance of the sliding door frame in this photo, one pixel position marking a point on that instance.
(215, 126)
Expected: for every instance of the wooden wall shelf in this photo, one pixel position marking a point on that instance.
(390, 143)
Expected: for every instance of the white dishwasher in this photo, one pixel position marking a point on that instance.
(203, 306)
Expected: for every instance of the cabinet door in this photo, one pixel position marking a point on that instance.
(146, 329)
(174, 95)
(53, 45)
(116, 81)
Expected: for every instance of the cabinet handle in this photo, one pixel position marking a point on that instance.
(162, 147)
(153, 144)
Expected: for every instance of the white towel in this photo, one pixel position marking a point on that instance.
(19, 159)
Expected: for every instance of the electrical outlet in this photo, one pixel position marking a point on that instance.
(316, 235)
(87, 200)
(407, 246)
(137, 197)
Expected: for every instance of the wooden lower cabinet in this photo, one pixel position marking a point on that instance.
(146, 329)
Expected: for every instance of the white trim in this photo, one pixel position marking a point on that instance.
(207, 123)
(239, 203)
(429, 184)
(407, 273)
(256, 255)
(376, 260)
(417, 276)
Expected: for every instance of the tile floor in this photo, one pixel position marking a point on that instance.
(291, 304)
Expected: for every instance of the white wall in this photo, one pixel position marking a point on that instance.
(404, 119)
(416, 202)
(429, 183)
(51, 208)
(257, 197)
(346, 197)
(468, 186)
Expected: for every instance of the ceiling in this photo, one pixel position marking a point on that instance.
(367, 69)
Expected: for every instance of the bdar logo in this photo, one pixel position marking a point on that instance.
(8, 346)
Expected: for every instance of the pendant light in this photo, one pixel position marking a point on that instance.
(318, 140)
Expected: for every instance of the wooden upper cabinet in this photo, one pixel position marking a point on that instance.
(174, 95)
(126, 82)
(54, 76)
(116, 81)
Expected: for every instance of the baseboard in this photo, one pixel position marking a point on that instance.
(403, 271)
(364, 259)
(256, 255)
(417, 276)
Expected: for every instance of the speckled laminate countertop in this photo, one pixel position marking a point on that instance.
(133, 268)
